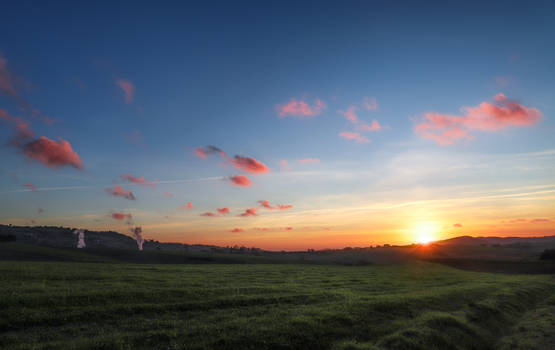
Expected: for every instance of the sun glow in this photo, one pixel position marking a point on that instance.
(426, 232)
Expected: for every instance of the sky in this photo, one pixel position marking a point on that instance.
(284, 125)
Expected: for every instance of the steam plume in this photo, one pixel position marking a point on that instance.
(81, 242)
(138, 230)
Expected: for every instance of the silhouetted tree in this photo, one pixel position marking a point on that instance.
(548, 254)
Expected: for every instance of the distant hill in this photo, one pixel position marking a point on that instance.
(109, 245)
(469, 240)
(63, 237)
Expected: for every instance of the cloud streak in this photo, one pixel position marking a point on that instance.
(301, 109)
(249, 165)
(31, 187)
(53, 154)
(189, 206)
(204, 152)
(355, 136)
(239, 180)
(128, 89)
(503, 113)
(118, 191)
(249, 212)
(121, 216)
(138, 180)
(223, 211)
(309, 160)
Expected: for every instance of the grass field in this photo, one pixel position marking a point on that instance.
(68, 305)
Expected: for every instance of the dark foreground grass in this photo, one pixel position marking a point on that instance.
(64, 305)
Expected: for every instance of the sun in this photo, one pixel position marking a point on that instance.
(426, 232)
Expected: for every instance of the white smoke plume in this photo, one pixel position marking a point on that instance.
(81, 242)
(138, 237)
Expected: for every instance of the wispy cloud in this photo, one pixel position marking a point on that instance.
(350, 114)
(239, 180)
(31, 187)
(118, 191)
(370, 103)
(249, 165)
(374, 126)
(203, 152)
(189, 206)
(53, 154)
(138, 180)
(284, 164)
(121, 216)
(355, 136)
(6, 83)
(301, 108)
(266, 204)
(128, 89)
(309, 160)
(249, 212)
(223, 211)
(447, 129)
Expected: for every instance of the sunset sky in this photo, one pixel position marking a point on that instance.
(321, 125)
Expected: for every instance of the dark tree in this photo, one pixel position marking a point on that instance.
(548, 254)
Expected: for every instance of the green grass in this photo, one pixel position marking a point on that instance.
(68, 305)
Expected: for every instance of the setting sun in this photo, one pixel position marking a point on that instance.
(426, 232)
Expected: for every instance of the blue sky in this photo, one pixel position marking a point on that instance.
(218, 75)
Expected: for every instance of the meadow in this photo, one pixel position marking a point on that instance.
(416, 305)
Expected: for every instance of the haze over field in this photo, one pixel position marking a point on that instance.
(284, 126)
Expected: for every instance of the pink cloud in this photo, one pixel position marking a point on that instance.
(167, 194)
(370, 103)
(309, 160)
(301, 108)
(203, 152)
(249, 212)
(138, 180)
(539, 220)
(350, 114)
(284, 165)
(239, 180)
(128, 88)
(118, 191)
(31, 187)
(358, 138)
(236, 230)
(288, 228)
(189, 206)
(266, 204)
(6, 84)
(223, 211)
(53, 154)
(209, 214)
(121, 216)
(503, 113)
(374, 126)
(249, 165)
(457, 225)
